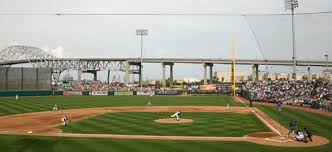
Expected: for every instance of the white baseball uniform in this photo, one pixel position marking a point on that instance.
(64, 121)
(176, 115)
(55, 108)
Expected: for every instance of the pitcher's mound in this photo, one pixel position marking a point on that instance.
(173, 120)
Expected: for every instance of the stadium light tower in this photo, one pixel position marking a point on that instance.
(327, 61)
(141, 32)
(291, 5)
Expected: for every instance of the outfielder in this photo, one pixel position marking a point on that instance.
(17, 97)
(149, 103)
(176, 115)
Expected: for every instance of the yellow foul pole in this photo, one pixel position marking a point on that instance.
(233, 67)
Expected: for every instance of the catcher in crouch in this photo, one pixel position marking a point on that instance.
(177, 114)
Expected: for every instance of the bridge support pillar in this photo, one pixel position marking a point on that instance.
(140, 82)
(171, 75)
(126, 77)
(79, 74)
(309, 74)
(211, 73)
(206, 73)
(108, 76)
(171, 64)
(94, 76)
(255, 71)
(163, 79)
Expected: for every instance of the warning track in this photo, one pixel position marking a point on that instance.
(45, 123)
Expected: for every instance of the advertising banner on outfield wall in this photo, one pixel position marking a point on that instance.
(72, 93)
(123, 93)
(211, 87)
(145, 93)
(99, 93)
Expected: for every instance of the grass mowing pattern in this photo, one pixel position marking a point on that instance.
(142, 123)
(320, 125)
(9, 105)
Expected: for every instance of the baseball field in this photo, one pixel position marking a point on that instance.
(126, 123)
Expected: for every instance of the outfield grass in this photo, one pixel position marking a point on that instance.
(320, 125)
(9, 105)
(142, 123)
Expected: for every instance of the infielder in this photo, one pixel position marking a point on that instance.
(227, 107)
(176, 115)
(55, 107)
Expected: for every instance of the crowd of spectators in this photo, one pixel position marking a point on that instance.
(315, 93)
(86, 85)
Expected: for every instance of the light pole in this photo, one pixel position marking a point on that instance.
(141, 32)
(327, 61)
(291, 5)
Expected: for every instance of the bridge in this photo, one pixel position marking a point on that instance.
(15, 55)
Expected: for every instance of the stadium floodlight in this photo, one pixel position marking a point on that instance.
(290, 5)
(141, 32)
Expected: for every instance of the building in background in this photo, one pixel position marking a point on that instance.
(191, 79)
(223, 76)
(327, 74)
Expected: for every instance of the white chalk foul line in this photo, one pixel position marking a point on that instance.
(261, 118)
(281, 141)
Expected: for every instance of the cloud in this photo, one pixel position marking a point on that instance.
(14, 43)
(58, 51)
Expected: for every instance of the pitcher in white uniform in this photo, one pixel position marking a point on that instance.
(177, 114)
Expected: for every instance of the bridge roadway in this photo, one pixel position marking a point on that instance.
(177, 60)
(133, 66)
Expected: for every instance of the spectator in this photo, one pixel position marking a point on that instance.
(314, 93)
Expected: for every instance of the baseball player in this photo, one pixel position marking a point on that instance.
(17, 97)
(279, 103)
(64, 120)
(227, 107)
(55, 107)
(149, 103)
(176, 115)
(299, 136)
(308, 134)
(292, 127)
